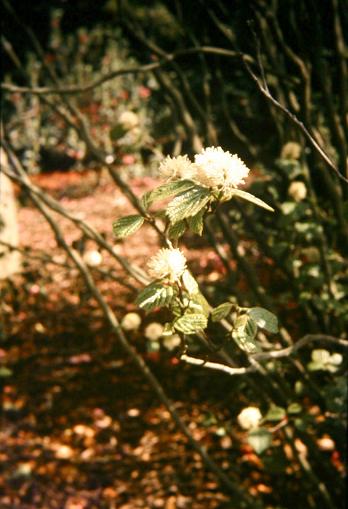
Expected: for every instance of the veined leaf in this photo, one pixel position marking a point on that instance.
(127, 225)
(198, 301)
(250, 197)
(244, 333)
(189, 282)
(155, 295)
(264, 319)
(188, 203)
(146, 200)
(176, 230)
(220, 312)
(191, 323)
(196, 222)
(167, 190)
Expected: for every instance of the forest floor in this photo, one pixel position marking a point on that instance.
(81, 428)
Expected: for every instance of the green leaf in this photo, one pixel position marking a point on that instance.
(275, 414)
(220, 312)
(259, 439)
(188, 203)
(168, 189)
(250, 197)
(294, 408)
(155, 295)
(245, 329)
(146, 200)
(176, 230)
(127, 225)
(196, 222)
(264, 319)
(189, 282)
(191, 323)
(200, 303)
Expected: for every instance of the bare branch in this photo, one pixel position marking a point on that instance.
(293, 118)
(45, 258)
(216, 366)
(53, 204)
(309, 338)
(254, 358)
(168, 58)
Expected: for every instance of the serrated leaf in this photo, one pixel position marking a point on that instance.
(155, 295)
(251, 198)
(259, 439)
(146, 200)
(264, 319)
(220, 312)
(198, 301)
(168, 189)
(196, 222)
(127, 225)
(244, 332)
(176, 230)
(191, 323)
(188, 203)
(189, 282)
(275, 414)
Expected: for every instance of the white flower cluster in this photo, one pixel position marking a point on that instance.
(167, 263)
(213, 168)
(176, 168)
(249, 417)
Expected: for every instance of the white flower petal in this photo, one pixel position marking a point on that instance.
(169, 263)
(219, 169)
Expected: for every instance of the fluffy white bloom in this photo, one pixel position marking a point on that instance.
(92, 258)
(128, 120)
(169, 263)
(297, 190)
(176, 168)
(249, 417)
(131, 321)
(219, 169)
(153, 331)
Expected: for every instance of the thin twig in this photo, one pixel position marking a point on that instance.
(168, 58)
(293, 117)
(275, 354)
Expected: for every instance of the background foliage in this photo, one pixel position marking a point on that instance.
(212, 73)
